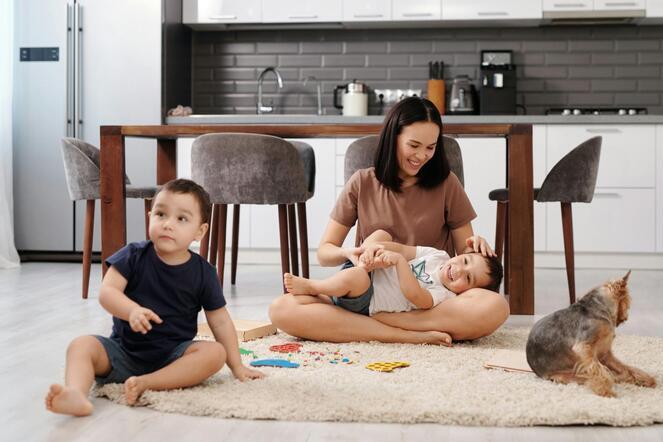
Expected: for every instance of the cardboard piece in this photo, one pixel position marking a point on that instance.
(509, 360)
(246, 329)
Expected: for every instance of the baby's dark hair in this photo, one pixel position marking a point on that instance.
(495, 272)
(189, 187)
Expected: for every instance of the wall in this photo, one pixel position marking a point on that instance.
(606, 66)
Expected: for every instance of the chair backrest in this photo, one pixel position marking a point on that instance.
(307, 155)
(573, 178)
(248, 169)
(361, 155)
(81, 167)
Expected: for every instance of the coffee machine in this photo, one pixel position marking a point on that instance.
(497, 95)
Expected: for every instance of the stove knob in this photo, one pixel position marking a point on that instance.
(596, 112)
(577, 112)
(621, 112)
(632, 112)
(566, 112)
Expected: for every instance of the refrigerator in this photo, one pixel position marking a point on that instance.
(80, 64)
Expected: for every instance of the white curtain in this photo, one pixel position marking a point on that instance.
(8, 256)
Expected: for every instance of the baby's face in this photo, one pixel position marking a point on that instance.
(464, 272)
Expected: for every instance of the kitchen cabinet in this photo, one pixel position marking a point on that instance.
(568, 5)
(412, 10)
(621, 218)
(221, 11)
(655, 8)
(295, 11)
(490, 10)
(619, 5)
(370, 10)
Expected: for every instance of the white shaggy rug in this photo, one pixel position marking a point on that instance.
(442, 385)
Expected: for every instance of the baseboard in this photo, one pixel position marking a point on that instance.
(49, 256)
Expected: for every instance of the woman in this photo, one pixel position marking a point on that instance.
(412, 194)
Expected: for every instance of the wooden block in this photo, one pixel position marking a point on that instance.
(246, 329)
(509, 360)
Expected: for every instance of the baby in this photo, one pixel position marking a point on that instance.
(392, 277)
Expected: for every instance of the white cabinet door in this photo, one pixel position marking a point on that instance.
(411, 10)
(617, 220)
(654, 8)
(659, 188)
(619, 5)
(568, 5)
(490, 9)
(369, 10)
(221, 11)
(296, 11)
(627, 151)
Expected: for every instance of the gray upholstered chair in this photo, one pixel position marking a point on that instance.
(81, 166)
(571, 180)
(254, 169)
(361, 154)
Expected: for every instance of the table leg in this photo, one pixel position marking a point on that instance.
(166, 160)
(521, 221)
(113, 207)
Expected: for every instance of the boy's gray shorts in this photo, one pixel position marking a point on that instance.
(358, 304)
(123, 365)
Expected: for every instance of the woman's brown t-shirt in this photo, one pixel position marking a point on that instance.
(415, 216)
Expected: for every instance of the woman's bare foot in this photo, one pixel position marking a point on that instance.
(296, 285)
(133, 388)
(433, 337)
(65, 400)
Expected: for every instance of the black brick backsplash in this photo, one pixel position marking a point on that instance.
(556, 66)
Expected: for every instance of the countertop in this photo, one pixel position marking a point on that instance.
(376, 119)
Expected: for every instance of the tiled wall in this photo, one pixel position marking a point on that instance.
(609, 66)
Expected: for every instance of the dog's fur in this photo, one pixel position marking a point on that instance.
(575, 344)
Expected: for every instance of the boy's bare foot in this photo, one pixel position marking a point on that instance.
(65, 400)
(133, 388)
(434, 337)
(296, 285)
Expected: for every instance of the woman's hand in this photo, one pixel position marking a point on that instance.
(370, 252)
(353, 254)
(478, 244)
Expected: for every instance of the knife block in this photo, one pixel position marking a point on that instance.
(436, 94)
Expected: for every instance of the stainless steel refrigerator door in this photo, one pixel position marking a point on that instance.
(42, 209)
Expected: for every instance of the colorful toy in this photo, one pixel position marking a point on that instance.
(282, 363)
(290, 347)
(386, 366)
(243, 351)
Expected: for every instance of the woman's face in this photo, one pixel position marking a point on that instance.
(415, 146)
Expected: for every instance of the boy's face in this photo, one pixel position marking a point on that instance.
(464, 272)
(175, 222)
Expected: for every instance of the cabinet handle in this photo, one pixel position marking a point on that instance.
(618, 4)
(223, 17)
(301, 16)
(604, 131)
(607, 195)
(368, 15)
(569, 5)
(492, 14)
(417, 14)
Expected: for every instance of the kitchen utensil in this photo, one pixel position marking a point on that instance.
(462, 100)
(354, 99)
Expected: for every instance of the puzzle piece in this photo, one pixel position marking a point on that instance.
(290, 347)
(282, 363)
(386, 366)
(243, 351)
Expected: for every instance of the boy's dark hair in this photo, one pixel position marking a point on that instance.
(189, 187)
(406, 112)
(495, 272)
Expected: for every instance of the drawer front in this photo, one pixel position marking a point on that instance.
(295, 11)
(628, 152)
(617, 220)
(411, 10)
(371, 10)
(490, 10)
(619, 5)
(568, 5)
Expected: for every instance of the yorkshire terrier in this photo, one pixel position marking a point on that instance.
(575, 344)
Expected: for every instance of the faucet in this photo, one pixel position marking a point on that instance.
(261, 109)
(318, 90)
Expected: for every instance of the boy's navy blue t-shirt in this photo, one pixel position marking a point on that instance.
(175, 293)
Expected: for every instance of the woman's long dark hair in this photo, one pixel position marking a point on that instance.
(405, 112)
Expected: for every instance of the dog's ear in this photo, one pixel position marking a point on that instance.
(625, 278)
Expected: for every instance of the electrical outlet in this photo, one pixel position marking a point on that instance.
(390, 96)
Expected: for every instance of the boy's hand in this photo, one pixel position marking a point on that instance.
(243, 373)
(370, 252)
(140, 317)
(386, 258)
(478, 244)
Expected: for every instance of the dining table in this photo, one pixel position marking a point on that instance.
(519, 247)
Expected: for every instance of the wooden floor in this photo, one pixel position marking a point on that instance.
(41, 311)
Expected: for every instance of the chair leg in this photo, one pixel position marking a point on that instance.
(234, 245)
(88, 233)
(303, 237)
(283, 236)
(221, 250)
(204, 242)
(567, 228)
(292, 235)
(506, 250)
(148, 206)
(500, 228)
(214, 239)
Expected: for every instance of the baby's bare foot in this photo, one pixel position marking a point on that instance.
(296, 285)
(133, 388)
(435, 338)
(65, 400)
